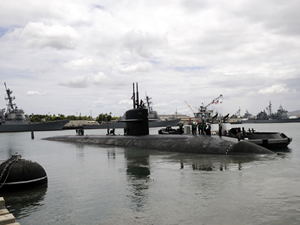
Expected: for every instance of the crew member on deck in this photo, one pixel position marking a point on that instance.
(199, 127)
(180, 128)
(204, 128)
(194, 129)
(208, 127)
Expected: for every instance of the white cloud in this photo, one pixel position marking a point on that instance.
(177, 50)
(84, 63)
(161, 104)
(100, 101)
(36, 93)
(38, 34)
(142, 43)
(277, 88)
(139, 67)
(125, 102)
(85, 81)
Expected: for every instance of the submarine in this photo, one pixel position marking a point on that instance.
(136, 134)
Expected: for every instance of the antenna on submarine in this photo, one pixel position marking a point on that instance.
(133, 96)
(137, 95)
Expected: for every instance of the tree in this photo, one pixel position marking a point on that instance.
(72, 117)
(109, 117)
(102, 117)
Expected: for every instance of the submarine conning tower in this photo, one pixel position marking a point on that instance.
(136, 119)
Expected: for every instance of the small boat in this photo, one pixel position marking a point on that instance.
(168, 130)
(15, 120)
(269, 140)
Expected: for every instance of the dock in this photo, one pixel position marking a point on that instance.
(6, 218)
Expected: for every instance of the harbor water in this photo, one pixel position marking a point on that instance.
(91, 184)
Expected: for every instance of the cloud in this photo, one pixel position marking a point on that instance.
(100, 101)
(277, 88)
(83, 63)
(144, 44)
(161, 104)
(138, 67)
(38, 34)
(176, 50)
(85, 81)
(125, 102)
(282, 18)
(31, 93)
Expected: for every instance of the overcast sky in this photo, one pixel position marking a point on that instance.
(82, 56)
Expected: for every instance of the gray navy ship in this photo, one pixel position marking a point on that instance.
(281, 116)
(15, 120)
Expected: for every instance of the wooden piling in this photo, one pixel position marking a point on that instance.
(6, 218)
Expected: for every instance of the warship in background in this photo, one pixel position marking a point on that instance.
(281, 116)
(153, 119)
(15, 120)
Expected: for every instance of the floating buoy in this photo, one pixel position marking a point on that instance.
(17, 174)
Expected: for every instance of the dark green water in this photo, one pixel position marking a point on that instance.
(91, 184)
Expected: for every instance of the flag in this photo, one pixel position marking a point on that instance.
(216, 102)
(132, 98)
(213, 101)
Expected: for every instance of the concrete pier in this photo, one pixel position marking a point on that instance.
(176, 143)
(6, 218)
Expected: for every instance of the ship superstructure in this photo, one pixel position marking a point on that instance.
(13, 114)
(14, 119)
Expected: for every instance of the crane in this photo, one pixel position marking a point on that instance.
(189, 107)
(214, 100)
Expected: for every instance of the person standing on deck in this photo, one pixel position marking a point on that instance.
(204, 128)
(208, 129)
(180, 128)
(195, 128)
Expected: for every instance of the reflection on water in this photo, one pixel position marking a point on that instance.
(92, 184)
(138, 177)
(22, 203)
(111, 154)
(222, 163)
(79, 150)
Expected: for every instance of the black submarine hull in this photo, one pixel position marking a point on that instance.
(176, 143)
